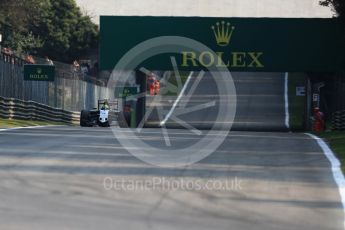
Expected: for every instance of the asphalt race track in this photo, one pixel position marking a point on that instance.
(53, 178)
(85, 178)
(260, 103)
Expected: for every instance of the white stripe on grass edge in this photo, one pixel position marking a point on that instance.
(286, 99)
(30, 127)
(336, 170)
(177, 100)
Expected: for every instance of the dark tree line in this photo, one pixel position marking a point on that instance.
(338, 6)
(55, 28)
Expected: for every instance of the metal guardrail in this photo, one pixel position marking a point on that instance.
(11, 108)
(338, 120)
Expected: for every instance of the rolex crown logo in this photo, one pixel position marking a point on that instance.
(223, 32)
(39, 70)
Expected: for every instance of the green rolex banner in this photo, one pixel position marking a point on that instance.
(39, 73)
(240, 44)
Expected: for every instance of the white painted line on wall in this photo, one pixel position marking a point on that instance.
(336, 170)
(286, 99)
(177, 99)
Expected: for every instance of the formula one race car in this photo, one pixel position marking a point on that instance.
(101, 116)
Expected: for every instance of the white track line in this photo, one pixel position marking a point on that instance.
(286, 98)
(336, 170)
(177, 99)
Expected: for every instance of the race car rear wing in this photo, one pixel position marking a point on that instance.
(113, 104)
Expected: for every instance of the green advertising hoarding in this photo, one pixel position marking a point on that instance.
(121, 92)
(39, 73)
(240, 44)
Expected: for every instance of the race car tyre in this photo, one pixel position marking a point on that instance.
(84, 117)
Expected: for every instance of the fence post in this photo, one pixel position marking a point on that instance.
(63, 95)
(309, 101)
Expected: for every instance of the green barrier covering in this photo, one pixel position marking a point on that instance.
(240, 44)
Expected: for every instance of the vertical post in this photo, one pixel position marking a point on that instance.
(0, 43)
(55, 93)
(309, 102)
(133, 121)
(141, 102)
(63, 95)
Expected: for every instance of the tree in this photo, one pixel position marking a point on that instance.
(24, 43)
(338, 6)
(69, 34)
(55, 28)
(16, 16)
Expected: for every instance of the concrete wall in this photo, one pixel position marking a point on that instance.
(206, 8)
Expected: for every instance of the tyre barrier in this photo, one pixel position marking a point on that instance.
(11, 108)
(338, 120)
